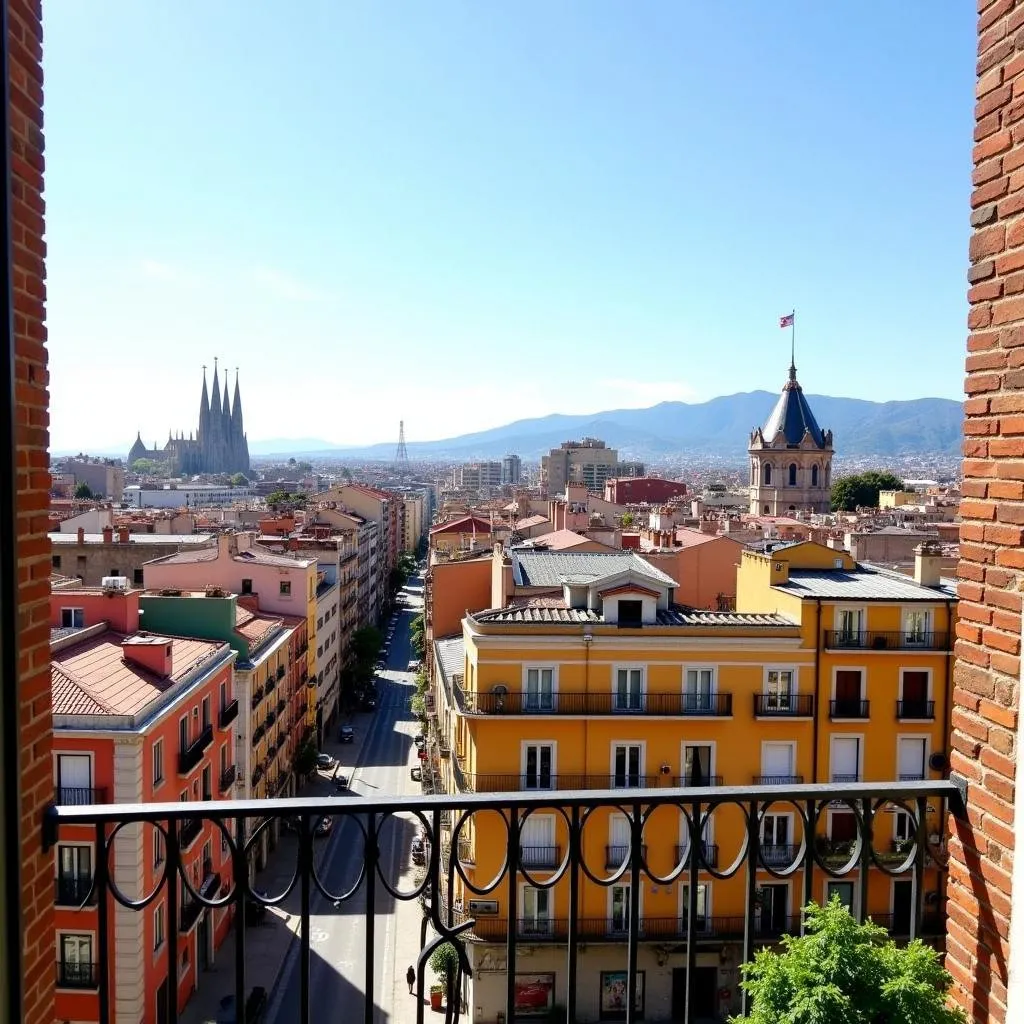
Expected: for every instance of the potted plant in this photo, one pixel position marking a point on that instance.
(444, 962)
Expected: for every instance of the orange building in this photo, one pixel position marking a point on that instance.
(137, 718)
(705, 565)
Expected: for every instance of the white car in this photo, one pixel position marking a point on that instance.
(413, 666)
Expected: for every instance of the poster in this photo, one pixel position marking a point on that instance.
(534, 994)
(613, 994)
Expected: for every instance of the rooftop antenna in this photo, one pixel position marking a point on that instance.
(401, 452)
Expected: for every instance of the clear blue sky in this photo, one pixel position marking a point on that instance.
(463, 213)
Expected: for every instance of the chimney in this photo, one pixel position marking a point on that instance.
(293, 543)
(81, 535)
(122, 535)
(928, 564)
(108, 535)
(152, 653)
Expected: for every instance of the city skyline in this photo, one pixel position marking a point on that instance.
(581, 184)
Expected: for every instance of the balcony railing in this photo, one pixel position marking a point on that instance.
(189, 831)
(792, 705)
(74, 890)
(593, 703)
(228, 713)
(540, 856)
(915, 710)
(190, 756)
(694, 780)
(897, 640)
(76, 974)
(375, 838)
(707, 857)
(494, 783)
(778, 780)
(778, 855)
(616, 856)
(849, 709)
(228, 777)
(79, 796)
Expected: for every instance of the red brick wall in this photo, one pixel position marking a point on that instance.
(986, 677)
(25, 38)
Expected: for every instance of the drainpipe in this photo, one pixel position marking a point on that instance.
(946, 687)
(588, 639)
(817, 686)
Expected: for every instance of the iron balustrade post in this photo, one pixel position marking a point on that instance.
(305, 870)
(574, 907)
(103, 921)
(867, 842)
(371, 857)
(240, 873)
(750, 905)
(633, 939)
(917, 878)
(172, 866)
(809, 823)
(691, 912)
(513, 912)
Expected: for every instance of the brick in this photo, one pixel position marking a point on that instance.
(983, 292)
(996, 713)
(987, 242)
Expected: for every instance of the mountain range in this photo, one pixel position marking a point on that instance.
(719, 427)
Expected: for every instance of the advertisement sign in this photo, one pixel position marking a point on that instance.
(535, 994)
(613, 995)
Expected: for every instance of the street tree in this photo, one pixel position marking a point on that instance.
(860, 490)
(83, 490)
(841, 972)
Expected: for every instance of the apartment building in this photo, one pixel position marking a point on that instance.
(413, 528)
(92, 557)
(137, 717)
(589, 462)
(280, 584)
(585, 673)
(464, 534)
(477, 476)
(104, 477)
(358, 562)
(511, 469)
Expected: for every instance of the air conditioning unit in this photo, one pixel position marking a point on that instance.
(114, 583)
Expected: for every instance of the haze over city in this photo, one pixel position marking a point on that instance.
(584, 200)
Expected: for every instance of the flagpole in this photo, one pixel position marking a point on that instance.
(792, 339)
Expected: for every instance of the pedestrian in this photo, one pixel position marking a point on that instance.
(410, 976)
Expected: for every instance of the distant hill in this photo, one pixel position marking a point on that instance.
(718, 427)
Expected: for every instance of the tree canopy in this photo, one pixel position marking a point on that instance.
(83, 490)
(239, 480)
(145, 466)
(861, 489)
(842, 972)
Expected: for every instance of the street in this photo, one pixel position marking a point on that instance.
(338, 933)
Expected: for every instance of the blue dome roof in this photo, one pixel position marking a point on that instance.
(792, 416)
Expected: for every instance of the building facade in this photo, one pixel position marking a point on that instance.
(220, 445)
(589, 462)
(104, 477)
(511, 469)
(790, 458)
(91, 557)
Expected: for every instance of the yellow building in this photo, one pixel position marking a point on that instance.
(587, 676)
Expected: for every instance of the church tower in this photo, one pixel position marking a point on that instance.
(790, 457)
(238, 438)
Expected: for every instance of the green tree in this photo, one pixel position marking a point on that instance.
(842, 972)
(83, 490)
(304, 467)
(366, 644)
(397, 578)
(278, 497)
(444, 962)
(239, 480)
(418, 635)
(291, 461)
(305, 759)
(628, 520)
(860, 490)
(144, 466)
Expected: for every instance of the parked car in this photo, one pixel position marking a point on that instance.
(413, 666)
(346, 734)
(368, 702)
(325, 761)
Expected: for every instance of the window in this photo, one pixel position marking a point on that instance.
(914, 687)
(775, 840)
(629, 689)
(74, 874)
(844, 890)
(207, 783)
(701, 922)
(631, 614)
(75, 959)
(183, 732)
(159, 849)
(814, 476)
(770, 914)
(916, 622)
(627, 765)
(538, 761)
(537, 841)
(792, 474)
(699, 690)
(846, 758)
(158, 762)
(618, 900)
(159, 927)
(902, 827)
(539, 689)
(842, 827)
(696, 765)
(246, 586)
(55, 560)
(137, 577)
(849, 694)
(778, 690)
(72, 618)
(320, 623)
(777, 762)
(285, 588)
(207, 720)
(911, 758)
(536, 911)
(849, 623)
(74, 778)
(223, 696)
(767, 475)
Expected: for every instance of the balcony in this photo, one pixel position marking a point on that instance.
(709, 705)
(783, 705)
(508, 702)
(540, 856)
(873, 640)
(697, 781)
(915, 710)
(228, 714)
(257, 696)
(839, 710)
(778, 780)
(190, 756)
(496, 783)
(708, 856)
(74, 890)
(228, 778)
(281, 705)
(645, 810)
(79, 796)
(76, 974)
(616, 856)
(257, 734)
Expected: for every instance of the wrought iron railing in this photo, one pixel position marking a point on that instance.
(540, 856)
(228, 713)
(190, 756)
(920, 710)
(791, 705)
(499, 783)
(228, 777)
(708, 855)
(570, 702)
(852, 708)
(79, 796)
(241, 824)
(892, 640)
(74, 890)
(78, 974)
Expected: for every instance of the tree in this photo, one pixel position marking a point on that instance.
(304, 467)
(628, 520)
(291, 461)
(83, 490)
(144, 466)
(366, 644)
(239, 480)
(417, 635)
(842, 972)
(397, 578)
(444, 962)
(860, 490)
(305, 759)
(278, 497)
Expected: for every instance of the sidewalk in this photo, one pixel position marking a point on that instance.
(267, 944)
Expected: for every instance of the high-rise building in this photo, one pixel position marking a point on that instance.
(511, 469)
(219, 446)
(790, 458)
(479, 476)
(589, 462)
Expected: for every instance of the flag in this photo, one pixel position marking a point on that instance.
(787, 320)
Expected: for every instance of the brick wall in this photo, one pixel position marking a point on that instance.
(986, 677)
(25, 38)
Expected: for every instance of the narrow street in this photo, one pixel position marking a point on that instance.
(339, 933)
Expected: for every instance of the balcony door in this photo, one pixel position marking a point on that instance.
(775, 839)
(911, 758)
(538, 759)
(778, 690)
(539, 689)
(845, 759)
(916, 625)
(902, 906)
(536, 911)
(75, 867)
(696, 765)
(915, 694)
(619, 909)
(848, 693)
(697, 695)
(850, 622)
(74, 778)
(620, 836)
(777, 761)
(537, 841)
(771, 912)
(627, 768)
(629, 689)
(76, 959)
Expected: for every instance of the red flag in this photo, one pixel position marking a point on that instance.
(787, 320)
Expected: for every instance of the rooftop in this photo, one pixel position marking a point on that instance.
(864, 584)
(194, 539)
(450, 654)
(792, 416)
(462, 525)
(555, 612)
(562, 540)
(532, 568)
